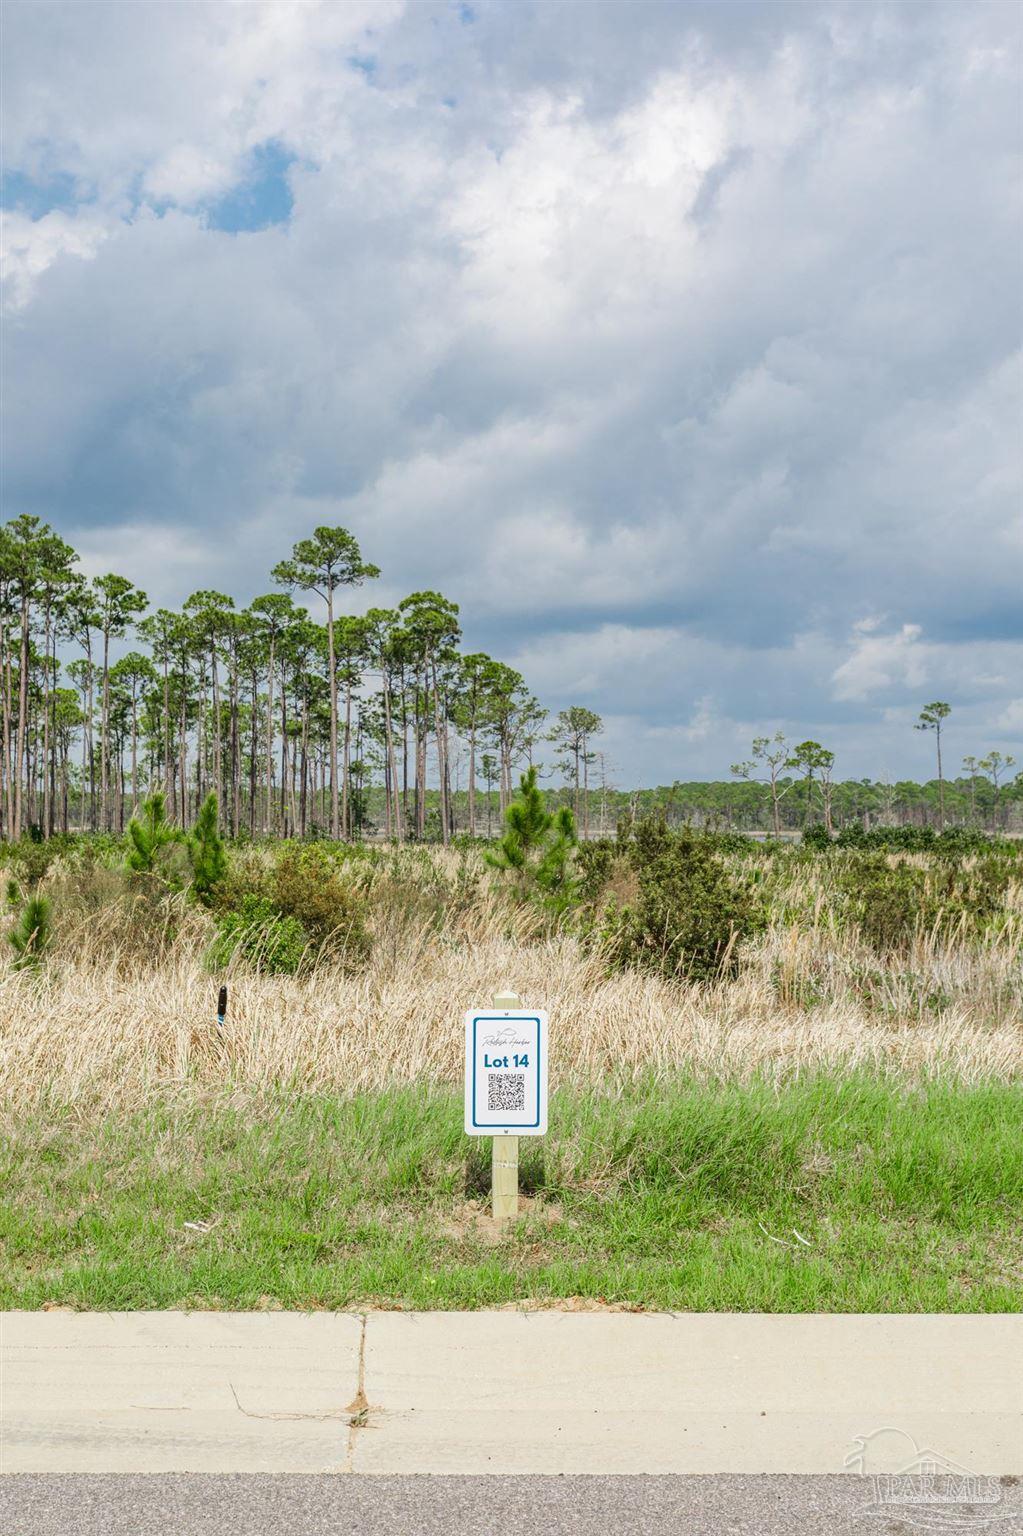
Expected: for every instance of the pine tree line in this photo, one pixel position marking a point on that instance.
(376, 721)
(286, 720)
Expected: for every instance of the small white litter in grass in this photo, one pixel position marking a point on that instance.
(199, 1226)
(779, 1240)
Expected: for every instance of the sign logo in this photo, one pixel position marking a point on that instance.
(506, 1036)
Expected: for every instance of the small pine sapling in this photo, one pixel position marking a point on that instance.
(206, 852)
(556, 874)
(149, 835)
(31, 934)
(537, 848)
(527, 823)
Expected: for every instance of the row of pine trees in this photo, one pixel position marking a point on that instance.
(337, 723)
(286, 720)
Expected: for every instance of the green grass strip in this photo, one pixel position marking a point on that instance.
(830, 1194)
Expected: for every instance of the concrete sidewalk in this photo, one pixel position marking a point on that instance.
(508, 1392)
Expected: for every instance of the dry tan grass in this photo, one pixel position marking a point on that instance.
(112, 1019)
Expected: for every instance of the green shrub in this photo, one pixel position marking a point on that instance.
(94, 850)
(739, 842)
(974, 898)
(893, 904)
(272, 943)
(298, 904)
(953, 842)
(886, 903)
(248, 873)
(305, 886)
(596, 861)
(959, 841)
(688, 916)
(32, 859)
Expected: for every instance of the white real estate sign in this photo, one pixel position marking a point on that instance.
(505, 1072)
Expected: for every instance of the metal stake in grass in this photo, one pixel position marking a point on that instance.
(221, 1007)
(504, 1165)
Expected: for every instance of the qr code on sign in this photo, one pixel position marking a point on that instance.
(506, 1090)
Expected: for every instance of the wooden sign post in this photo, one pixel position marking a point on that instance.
(504, 1161)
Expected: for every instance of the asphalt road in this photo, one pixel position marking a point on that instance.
(189, 1504)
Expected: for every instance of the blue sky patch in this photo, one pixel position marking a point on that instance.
(37, 198)
(263, 198)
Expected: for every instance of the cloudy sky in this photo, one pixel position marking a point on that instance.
(678, 343)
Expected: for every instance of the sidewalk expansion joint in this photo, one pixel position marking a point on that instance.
(358, 1409)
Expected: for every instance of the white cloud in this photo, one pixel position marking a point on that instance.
(880, 662)
(30, 246)
(704, 723)
(582, 664)
(186, 175)
(176, 95)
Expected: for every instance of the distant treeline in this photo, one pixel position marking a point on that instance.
(725, 806)
(746, 806)
(372, 724)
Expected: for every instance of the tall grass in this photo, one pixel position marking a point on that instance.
(125, 1003)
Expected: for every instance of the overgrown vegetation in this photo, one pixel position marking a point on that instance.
(682, 915)
(894, 904)
(294, 908)
(760, 1042)
(688, 906)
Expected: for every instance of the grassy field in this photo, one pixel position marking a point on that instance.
(827, 1194)
(836, 1124)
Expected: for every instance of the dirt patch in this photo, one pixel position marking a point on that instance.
(473, 1220)
(568, 1304)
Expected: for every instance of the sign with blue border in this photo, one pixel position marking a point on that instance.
(505, 1072)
